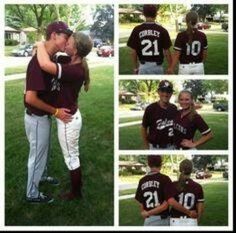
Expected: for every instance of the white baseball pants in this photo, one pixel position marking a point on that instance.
(183, 222)
(68, 136)
(195, 68)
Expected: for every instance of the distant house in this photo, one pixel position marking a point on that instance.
(131, 165)
(12, 34)
(131, 13)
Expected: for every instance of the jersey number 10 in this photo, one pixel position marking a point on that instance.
(150, 48)
(193, 49)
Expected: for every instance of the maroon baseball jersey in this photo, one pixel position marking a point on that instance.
(189, 197)
(71, 77)
(184, 128)
(191, 52)
(149, 39)
(41, 82)
(159, 122)
(153, 189)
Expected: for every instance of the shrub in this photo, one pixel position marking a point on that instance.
(10, 42)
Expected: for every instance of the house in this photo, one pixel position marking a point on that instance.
(12, 34)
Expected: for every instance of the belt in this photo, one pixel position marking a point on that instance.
(143, 62)
(190, 63)
(30, 113)
(161, 216)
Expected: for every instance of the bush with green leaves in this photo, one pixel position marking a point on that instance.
(10, 42)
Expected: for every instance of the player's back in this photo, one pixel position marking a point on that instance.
(153, 190)
(188, 197)
(191, 52)
(149, 39)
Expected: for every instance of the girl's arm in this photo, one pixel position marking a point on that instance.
(44, 60)
(175, 60)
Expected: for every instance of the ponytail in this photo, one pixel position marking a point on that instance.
(182, 182)
(86, 74)
(191, 20)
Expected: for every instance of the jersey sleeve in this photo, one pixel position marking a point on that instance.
(132, 41)
(201, 125)
(69, 73)
(35, 77)
(178, 43)
(166, 40)
(138, 194)
(205, 44)
(200, 195)
(146, 118)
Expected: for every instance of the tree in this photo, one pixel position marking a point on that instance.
(196, 87)
(103, 26)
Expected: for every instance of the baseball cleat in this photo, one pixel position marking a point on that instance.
(50, 180)
(42, 198)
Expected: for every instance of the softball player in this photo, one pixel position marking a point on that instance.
(187, 121)
(149, 43)
(157, 124)
(190, 48)
(189, 194)
(39, 99)
(71, 78)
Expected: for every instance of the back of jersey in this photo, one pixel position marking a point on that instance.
(153, 190)
(149, 39)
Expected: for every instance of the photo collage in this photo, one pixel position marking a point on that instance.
(117, 115)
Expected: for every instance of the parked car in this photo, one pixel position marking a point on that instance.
(105, 51)
(23, 51)
(220, 106)
(225, 174)
(203, 175)
(139, 106)
(97, 42)
(224, 26)
(203, 26)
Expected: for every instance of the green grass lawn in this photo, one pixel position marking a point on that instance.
(15, 70)
(96, 156)
(130, 137)
(216, 63)
(8, 49)
(215, 213)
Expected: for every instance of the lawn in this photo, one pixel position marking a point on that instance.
(215, 213)
(216, 63)
(130, 136)
(96, 155)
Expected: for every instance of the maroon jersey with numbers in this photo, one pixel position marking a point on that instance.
(153, 189)
(184, 128)
(41, 82)
(149, 39)
(159, 122)
(191, 52)
(189, 197)
(71, 77)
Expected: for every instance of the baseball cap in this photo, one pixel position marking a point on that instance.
(165, 85)
(154, 160)
(150, 10)
(58, 27)
(186, 167)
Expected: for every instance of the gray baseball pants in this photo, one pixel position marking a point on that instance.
(38, 134)
(150, 68)
(156, 221)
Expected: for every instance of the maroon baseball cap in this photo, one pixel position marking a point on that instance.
(58, 27)
(165, 85)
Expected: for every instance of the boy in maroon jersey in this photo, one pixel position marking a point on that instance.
(153, 194)
(157, 123)
(187, 121)
(190, 48)
(71, 77)
(189, 194)
(149, 43)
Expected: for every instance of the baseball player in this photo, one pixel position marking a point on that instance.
(153, 194)
(157, 124)
(190, 48)
(40, 94)
(71, 77)
(187, 121)
(189, 194)
(149, 43)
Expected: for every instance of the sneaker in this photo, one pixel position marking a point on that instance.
(50, 180)
(42, 198)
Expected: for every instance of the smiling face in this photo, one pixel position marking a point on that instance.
(185, 100)
(164, 96)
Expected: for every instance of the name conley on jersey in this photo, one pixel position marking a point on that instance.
(151, 183)
(149, 33)
(162, 124)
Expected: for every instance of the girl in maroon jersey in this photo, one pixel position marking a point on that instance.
(187, 121)
(189, 194)
(190, 48)
(70, 78)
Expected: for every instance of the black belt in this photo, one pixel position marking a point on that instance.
(160, 146)
(157, 62)
(30, 113)
(190, 63)
(161, 216)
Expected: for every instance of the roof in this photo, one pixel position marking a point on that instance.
(129, 11)
(130, 163)
(7, 28)
(29, 29)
